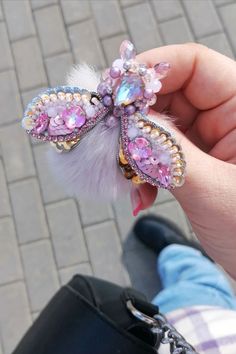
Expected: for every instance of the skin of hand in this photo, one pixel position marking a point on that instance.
(200, 92)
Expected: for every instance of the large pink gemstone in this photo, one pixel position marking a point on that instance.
(73, 117)
(41, 123)
(160, 172)
(140, 148)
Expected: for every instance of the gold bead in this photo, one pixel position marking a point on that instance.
(140, 124)
(45, 98)
(53, 97)
(69, 97)
(179, 163)
(178, 171)
(178, 181)
(86, 97)
(155, 133)
(122, 158)
(147, 129)
(61, 96)
(77, 96)
(168, 143)
(128, 174)
(137, 180)
(174, 149)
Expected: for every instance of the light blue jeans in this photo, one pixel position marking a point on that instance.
(190, 279)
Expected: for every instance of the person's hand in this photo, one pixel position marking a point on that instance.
(200, 91)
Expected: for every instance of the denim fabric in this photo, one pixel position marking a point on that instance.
(190, 279)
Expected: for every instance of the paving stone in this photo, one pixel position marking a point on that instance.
(125, 221)
(52, 191)
(40, 273)
(30, 68)
(129, 2)
(228, 14)
(218, 42)
(144, 37)
(86, 45)
(176, 31)
(17, 154)
(106, 252)
(51, 30)
(19, 19)
(93, 212)
(6, 60)
(66, 274)
(58, 67)
(10, 102)
(165, 10)
(67, 235)
(108, 17)
(15, 317)
(141, 266)
(28, 210)
(222, 2)
(5, 208)
(10, 265)
(1, 13)
(37, 4)
(75, 11)
(203, 17)
(174, 212)
(111, 47)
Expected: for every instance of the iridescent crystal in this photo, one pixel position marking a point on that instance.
(74, 117)
(158, 171)
(127, 50)
(129, 89)
(41, 123)
(28, 123)
(140, 148)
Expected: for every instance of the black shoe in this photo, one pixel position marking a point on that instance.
(157, 232)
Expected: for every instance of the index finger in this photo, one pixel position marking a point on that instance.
(204, 76)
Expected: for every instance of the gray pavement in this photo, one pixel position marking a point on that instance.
(45, 236)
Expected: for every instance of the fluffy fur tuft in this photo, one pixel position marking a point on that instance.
(91, 169)
(83, 76)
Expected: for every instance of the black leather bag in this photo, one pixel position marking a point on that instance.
(92, 316)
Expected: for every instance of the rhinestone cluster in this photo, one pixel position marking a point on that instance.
(150, 154)
(63, 114)
(128, 87)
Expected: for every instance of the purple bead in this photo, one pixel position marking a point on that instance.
(145, 110)
(115, 72)
(107, 101)
(148, 93)
(130, 109)
(102, 89)
(118, 111)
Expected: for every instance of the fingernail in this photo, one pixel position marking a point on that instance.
(136, 201)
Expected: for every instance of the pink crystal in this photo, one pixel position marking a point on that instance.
(140, 148)
(161, 70)
(127, 50)
(155, 85)
(51, 111)
(73, 117)
(157, 171)
(41, 123)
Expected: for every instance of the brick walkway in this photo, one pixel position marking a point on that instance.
(39, 41)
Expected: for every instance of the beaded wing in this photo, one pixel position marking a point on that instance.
(108, 131)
